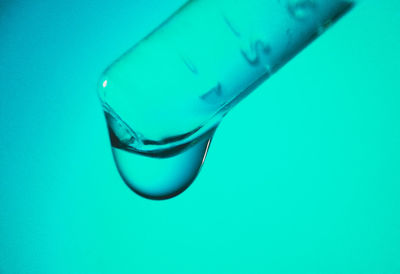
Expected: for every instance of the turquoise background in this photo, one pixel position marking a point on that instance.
(302, 176)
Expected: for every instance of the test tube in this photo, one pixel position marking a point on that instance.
(166, 95)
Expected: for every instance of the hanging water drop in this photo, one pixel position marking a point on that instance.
(162, 176)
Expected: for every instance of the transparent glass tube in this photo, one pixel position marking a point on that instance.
(170, 91)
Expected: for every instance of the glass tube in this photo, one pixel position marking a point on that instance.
(166, 95)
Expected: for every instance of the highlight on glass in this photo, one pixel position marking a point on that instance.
(164, 98)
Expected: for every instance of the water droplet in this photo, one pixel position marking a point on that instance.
(156, 169)
(164, 175)
(301, 9)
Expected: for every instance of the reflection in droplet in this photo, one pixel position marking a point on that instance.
(118, 129)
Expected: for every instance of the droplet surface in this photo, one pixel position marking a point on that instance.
(162, 172)
(160, 177)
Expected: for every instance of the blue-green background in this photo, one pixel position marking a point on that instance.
(302, 177)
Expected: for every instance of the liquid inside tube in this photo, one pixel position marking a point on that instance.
(164, 98)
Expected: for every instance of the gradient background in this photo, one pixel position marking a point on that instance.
(302, 177)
